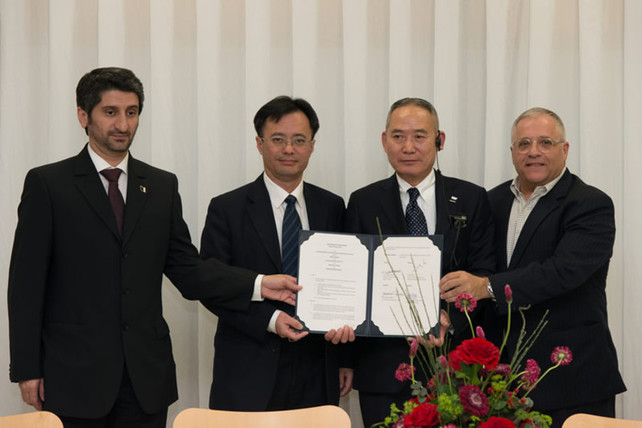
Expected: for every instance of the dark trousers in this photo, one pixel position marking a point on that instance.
(301, 375)
(375, 407)
(126, 413)
(600, 408)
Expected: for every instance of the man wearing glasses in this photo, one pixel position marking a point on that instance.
(256, 367)
(554, 236)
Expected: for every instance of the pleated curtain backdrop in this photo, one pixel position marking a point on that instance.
(208, 65)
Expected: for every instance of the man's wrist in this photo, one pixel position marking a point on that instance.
(491, 293)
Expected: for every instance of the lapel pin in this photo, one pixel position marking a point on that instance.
(453, 199)
(142, 188)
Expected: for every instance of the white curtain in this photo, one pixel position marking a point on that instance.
(208, 65)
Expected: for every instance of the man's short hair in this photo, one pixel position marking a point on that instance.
(280, 106)
(419, 102)
(539, 111)
(93, 84)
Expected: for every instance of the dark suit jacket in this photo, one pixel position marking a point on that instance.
(376, 359)
(84, 303)
(240, 230)
(560, 264)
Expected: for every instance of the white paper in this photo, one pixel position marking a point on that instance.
(333, 270)
(417, 264)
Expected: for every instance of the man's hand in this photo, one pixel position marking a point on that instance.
(286, 327)
(33, 392)
(343, 334)
(455, 283)
(345, 380)
(444, 323)
(280, 287)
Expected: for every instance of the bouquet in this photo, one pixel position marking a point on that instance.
(468, 386)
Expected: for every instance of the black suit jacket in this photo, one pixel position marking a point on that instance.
(560, 264)
(376, 359)
(240, 230)
(84, 303)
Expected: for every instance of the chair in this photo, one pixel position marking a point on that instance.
(582, 420)
(311, 417)
(31, 420)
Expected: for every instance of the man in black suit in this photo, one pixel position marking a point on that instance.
(247, 228)
(96, 232)
(454, 208)
(554, 242)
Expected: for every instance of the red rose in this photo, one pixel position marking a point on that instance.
(475, 351)
(424, 415)
(495, 422)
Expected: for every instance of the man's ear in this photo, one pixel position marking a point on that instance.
(259, 144)
(83, 117)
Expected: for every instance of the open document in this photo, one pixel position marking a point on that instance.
(389, 288)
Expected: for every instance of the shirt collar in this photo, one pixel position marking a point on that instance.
(100, 163)
(423, 187)
(539, 190)
(278, 195)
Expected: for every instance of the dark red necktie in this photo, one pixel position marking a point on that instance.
(115, 197)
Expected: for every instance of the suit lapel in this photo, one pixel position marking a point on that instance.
(391, 209)
(136, 197)
(317, 211)
(259, 210)
(90, 186)
(542, 209)
(442, 199)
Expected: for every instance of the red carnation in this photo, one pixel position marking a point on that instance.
(495, 422)
(531, 373)
(424, 415)
(475, 351)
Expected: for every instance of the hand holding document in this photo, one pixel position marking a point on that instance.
(354, 280)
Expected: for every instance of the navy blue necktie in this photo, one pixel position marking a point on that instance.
(115, 197)
(290, 238)
(415, 219)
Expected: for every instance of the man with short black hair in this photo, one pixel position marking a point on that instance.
(256, 227)
(96, 232)
(416, 200)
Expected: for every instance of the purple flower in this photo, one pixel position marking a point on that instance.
(503, 369)
(474, 400)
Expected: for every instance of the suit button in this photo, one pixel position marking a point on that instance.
(127, 291)
(125, 255)
(125, 327)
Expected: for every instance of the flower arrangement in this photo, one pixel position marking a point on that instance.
(468, 386)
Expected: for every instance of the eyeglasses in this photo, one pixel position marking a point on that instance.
(544, 145)
(297, 142)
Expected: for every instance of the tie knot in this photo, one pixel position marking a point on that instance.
(414, 194)
(290, 200)
(111, 174)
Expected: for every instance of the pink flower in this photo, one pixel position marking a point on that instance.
(503, 369)
(562, 356)
(474, 400)
(465, 303)
(443, 361)
(414, 346)
(532, 373)
(508, 293)
(404, 372)
(480, 332)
